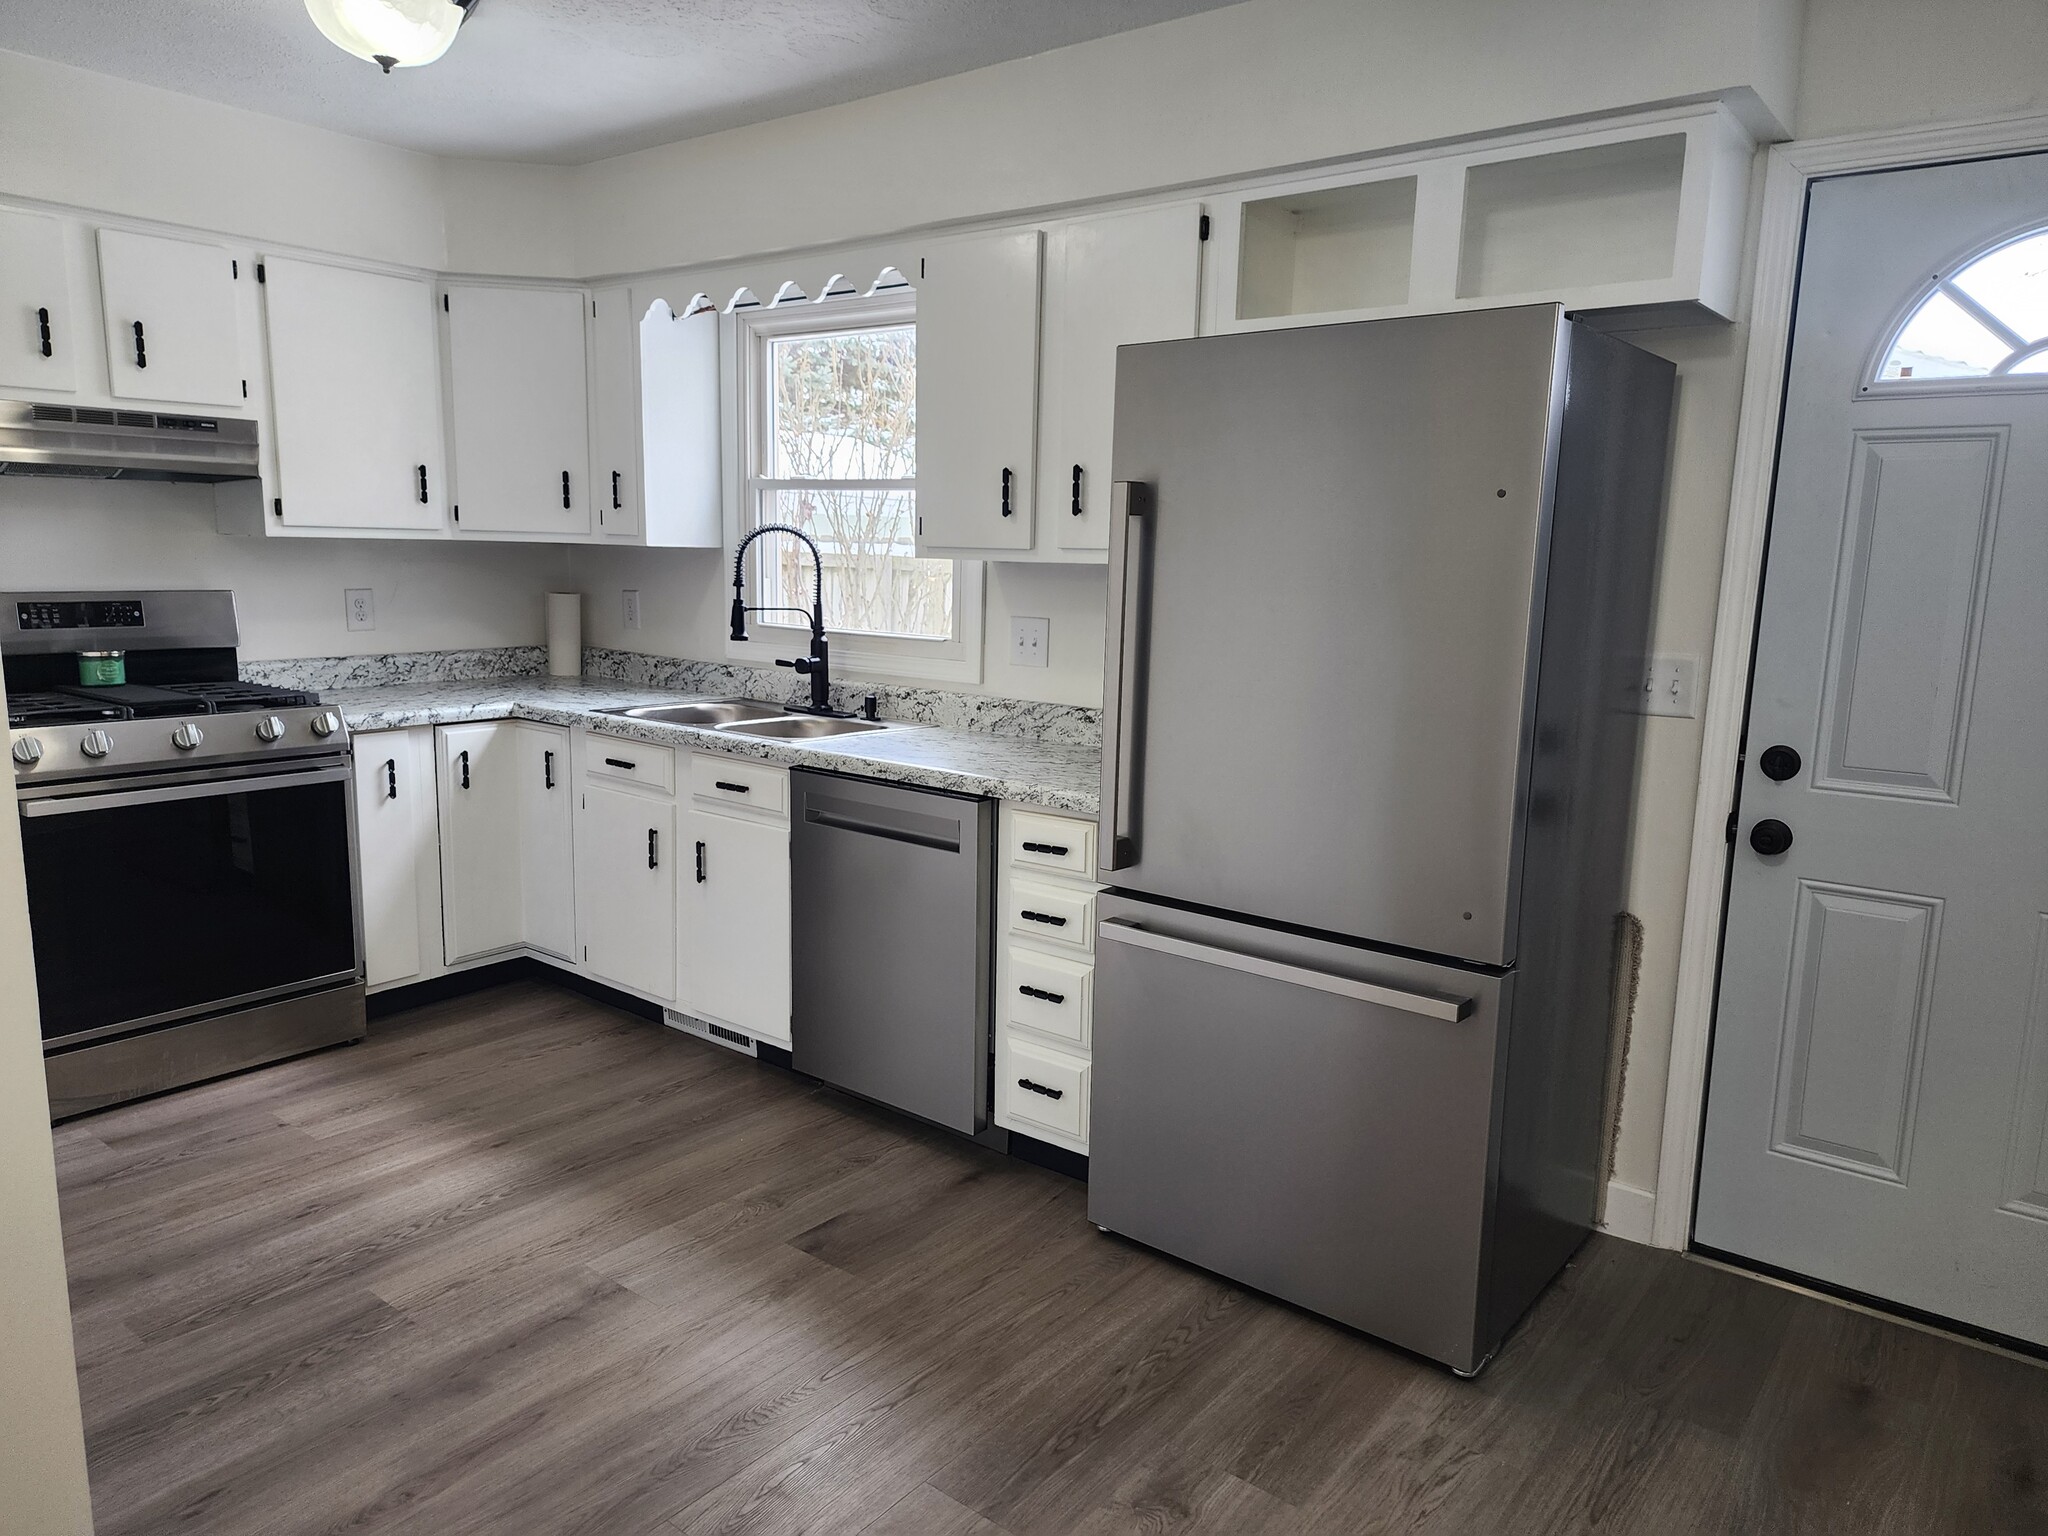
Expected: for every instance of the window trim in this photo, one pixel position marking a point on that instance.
(745, 335)
(1873, 385)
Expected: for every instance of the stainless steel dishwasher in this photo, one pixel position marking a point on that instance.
(891, 901)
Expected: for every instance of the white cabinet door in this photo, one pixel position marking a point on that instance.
(735, 923)
(482, 907)
(547, 866)
(518, 409)
(39, 334)
(1110, 281)
(172, 329)
(629, 865)
(615, 412)
(977, 391)
(355, 397)
(394, 811)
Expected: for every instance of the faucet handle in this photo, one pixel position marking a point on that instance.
(802, 666)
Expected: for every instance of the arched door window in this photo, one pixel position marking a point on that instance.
(1986, 320)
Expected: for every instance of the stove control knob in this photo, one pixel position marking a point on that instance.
(28, 751)
(326, 723)
(270, 728)
(187, 737)
(95, 744)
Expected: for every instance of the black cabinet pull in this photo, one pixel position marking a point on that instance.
(1055, 849)
(464, 759)
(1007, 477)
(141, 354)
(423, 484)
(1055, 998)
(619, 762)
(1050, 1093)
(43, 325)
(700, 863)
(390, 778)
(653, 849)
(1042, 917)
(547, 770)
(565, 488)
(1077, 490)
(737, 789)
(616, 503)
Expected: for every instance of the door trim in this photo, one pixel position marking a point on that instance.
(1789, 169)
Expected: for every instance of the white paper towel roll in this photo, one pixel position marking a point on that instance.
(565, 634)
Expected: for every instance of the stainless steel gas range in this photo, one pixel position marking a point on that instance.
(189, 843)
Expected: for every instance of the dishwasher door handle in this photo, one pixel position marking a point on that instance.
(1448, 1009)
(841, 821)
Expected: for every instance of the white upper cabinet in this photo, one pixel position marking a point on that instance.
(615, 473)
(39, 335)
(355, 398)
(1110, 281)
(977, 391)
(172, 322)
(518, 409)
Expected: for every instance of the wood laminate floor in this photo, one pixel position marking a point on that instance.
(522, 1264)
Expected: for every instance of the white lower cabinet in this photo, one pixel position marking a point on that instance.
(396, 846)
(735, 908)
(627, 874)
(507, 871)
(1045, 973)
(546, 837)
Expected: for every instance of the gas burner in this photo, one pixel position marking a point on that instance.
(43, 707)
(229, 698)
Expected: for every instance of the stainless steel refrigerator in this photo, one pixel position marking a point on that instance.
(1379, 601)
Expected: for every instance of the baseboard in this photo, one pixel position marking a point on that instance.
(1630, 1212)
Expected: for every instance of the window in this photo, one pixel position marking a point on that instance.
(831, 448)
(1986, 320)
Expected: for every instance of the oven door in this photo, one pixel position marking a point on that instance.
(167, 897)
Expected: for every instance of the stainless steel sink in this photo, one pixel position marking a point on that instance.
(801, 727)
(711, 712)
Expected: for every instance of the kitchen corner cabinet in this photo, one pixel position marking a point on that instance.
(396, 846)
(355, 399)
(518, 409)
(977, 391)
(544, 831)
(507, 871)
(735, 912)
(173, 322)
(39, 334)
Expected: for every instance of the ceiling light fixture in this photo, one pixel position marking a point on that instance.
(397, 34)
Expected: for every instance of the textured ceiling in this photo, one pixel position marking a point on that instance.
(565, 81)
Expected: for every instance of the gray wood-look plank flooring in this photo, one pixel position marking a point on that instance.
(520, 1263)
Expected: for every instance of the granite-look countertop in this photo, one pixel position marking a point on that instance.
(1058, 776)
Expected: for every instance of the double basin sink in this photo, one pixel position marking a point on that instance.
(746, 717)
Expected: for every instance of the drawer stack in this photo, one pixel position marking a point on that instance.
(1045, 972)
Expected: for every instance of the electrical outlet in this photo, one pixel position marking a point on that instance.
(630, 605)
(1670, 687)
(362, 607)
(1029, 639)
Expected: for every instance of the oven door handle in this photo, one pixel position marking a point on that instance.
(72, 805)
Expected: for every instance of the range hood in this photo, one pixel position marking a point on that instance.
(90, 443)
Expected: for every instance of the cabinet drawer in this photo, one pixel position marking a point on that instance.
(1053, 843)
(1048, 1088)
(1053, 915)
(1050, 995)
(735, 782)
(621, 761)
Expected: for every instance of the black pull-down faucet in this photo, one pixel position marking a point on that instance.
(816, 666)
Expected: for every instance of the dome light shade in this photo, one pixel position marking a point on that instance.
(397, 34)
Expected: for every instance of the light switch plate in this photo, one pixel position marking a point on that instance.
(1029, 639)
(361, 606)
(630, 602)
(1670, 687)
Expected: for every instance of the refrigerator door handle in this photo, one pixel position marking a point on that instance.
(1448, 1009)
(1128, 500)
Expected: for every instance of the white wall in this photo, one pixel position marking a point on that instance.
(1901, 63)
(68, 534)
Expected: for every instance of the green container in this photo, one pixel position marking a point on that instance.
(103, 669)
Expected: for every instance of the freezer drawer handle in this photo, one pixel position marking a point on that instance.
(1055, 998)
(1057, 850)
(1030, 916)
(1050, 1093)
(1449, 1009)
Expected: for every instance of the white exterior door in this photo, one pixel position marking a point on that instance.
(355, 397)
(629, 867)
(1878, 1115)
(735, 923)
(38, 327)
(543, 834)
(516, 374)
(172, 329)
(482, 905)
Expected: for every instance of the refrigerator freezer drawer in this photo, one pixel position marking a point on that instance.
(1310, 1119)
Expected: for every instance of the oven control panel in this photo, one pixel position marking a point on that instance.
(116, 613)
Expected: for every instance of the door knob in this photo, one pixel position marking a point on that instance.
(1770, 838)
(1779, 763)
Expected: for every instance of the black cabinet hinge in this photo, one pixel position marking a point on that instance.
(277, 506)
(261, 275)
(920, 268)
(1730, 830)
(1202, 228)
(245, 389)
(235, 267)
(444, 303)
